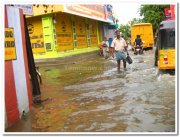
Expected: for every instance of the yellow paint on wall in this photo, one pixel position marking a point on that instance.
(81, 40)
(41, 9)
(100, 32)
(36, 34)
(65, 46)
(64, 39)
(38, 50)
(80, 24)
(93, 33)
(63, 23)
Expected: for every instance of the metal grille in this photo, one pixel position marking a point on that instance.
(48, 46)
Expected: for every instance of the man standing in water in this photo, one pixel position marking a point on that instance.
(119, 47)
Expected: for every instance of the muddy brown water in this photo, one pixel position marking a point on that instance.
(91, 96)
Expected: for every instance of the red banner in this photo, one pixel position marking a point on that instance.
(167, 12)
(172, 7)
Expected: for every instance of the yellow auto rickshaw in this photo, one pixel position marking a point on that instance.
(165, 46)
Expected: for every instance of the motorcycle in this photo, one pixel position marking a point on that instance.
(100, 50)
(104, 51)
(138, 50)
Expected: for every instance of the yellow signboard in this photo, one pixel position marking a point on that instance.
(35, 30)
(9, 44)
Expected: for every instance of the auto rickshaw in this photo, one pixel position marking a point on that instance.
(165, 46)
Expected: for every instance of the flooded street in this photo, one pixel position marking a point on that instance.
(91, 96)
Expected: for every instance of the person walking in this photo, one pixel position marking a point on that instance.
(119, 47)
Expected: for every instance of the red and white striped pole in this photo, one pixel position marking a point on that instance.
(18, 96)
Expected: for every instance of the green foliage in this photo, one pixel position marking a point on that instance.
(153, 14)
(135, 21)
(125, 29)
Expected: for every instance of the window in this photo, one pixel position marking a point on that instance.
(167, 38)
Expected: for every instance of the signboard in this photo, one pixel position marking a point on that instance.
(35, 30)
(9, 44)
(92, 11)
(108, 13)
(172, 8)
(113, 26)
(96, 11)
(167, 12)
(27, 9)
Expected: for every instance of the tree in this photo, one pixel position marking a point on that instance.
(125, 29)
(153, 14)
(135, 21)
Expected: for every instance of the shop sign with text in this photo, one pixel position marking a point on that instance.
(9, 44)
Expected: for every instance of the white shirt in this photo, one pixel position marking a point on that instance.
(105, 42)
(119, 44)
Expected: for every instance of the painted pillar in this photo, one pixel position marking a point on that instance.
(97, 26)
(88, 32)
(18, 96)
(48, 32)
(100, 31)
(74, 35)
(11, 107)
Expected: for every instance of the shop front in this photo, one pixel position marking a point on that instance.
(66, 29)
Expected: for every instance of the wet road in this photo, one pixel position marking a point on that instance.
(91, 96)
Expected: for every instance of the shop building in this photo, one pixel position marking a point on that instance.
(57, 28)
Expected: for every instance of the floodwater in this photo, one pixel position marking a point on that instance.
(91, 96)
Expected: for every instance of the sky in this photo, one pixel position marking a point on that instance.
(126, 11)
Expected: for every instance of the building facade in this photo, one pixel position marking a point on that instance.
(57, 28)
